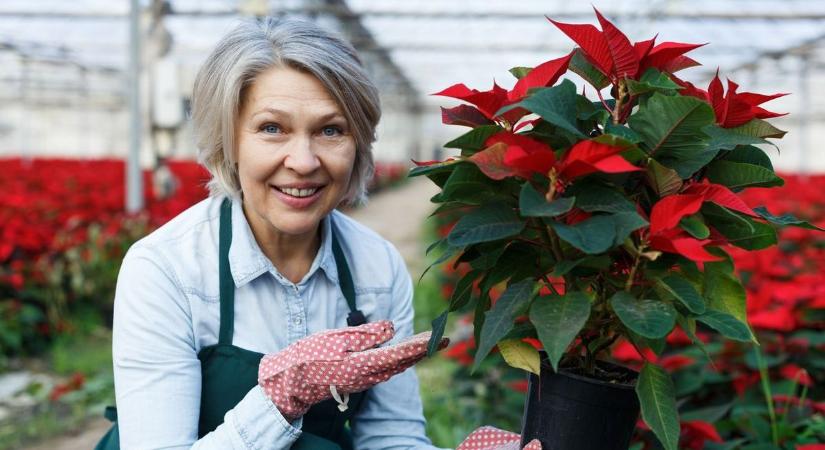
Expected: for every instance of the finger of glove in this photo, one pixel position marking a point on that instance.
(368, 376)
(353, 339)
(533, 445)
(488, 437)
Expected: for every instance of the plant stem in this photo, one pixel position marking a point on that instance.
(604, 103)
(629, 283)
(605, 344)
(549, 236)
(617, 111)
(766, 390)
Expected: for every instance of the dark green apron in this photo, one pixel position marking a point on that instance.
(229, 372)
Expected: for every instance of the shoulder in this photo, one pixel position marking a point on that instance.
(183, 248)
(375, 261)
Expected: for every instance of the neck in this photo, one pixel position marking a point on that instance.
(291, 254)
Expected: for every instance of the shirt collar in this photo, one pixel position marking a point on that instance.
(247, 261)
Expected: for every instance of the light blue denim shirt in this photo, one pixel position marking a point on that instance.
(167, 309)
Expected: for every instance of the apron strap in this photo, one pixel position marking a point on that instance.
(227, 284)
(355, 317)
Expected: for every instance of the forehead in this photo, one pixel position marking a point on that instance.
(288, 89)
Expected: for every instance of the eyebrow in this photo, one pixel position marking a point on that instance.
(323, 118)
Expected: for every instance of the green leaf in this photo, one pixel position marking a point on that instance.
(759, 128)
(581, 66)
(664, 180)
(600, 232)
(443, 166)
(651, 81)
(622, 131)
(625, 223)
(750, 155)
(684, 291)
(489, 255)
(736, 175)
(594, 197)
(533, 204)
(593, 235)
(556, 105)
(518, 261)
(695, 226)
(720, 216)
(672, 126)
(474, 139)
(649, 318)
(468, 185)
(741, 231)
(487, 223)
(727, 325)
(482, 306)
(729, 138)
(520, 355)
(558, 320)
(499, 319)
(724, 293)
(784, 219)
(657, 397)
(439, 323)
(463, 291)
(520, 72)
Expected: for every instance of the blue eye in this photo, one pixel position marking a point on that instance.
(332, 131)
(271, 128)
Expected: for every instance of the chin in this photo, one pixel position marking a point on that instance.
(294, 223)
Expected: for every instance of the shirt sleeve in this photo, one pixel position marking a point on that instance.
(158, 374)
(392, 417)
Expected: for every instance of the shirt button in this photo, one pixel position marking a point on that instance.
(297, 320)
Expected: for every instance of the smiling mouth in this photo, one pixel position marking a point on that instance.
(298, 193)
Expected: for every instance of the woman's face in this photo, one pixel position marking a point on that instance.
(295, 153)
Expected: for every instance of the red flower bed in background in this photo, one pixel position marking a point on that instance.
(63, 233)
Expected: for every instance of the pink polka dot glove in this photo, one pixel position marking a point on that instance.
(335, 363)
(490, 438)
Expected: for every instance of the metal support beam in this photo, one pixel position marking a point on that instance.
(134, 176)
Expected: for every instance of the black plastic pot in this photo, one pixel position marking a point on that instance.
(566, 411)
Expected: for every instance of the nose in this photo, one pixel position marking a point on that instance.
(301, 158)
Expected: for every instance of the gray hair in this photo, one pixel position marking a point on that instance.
(255, 46)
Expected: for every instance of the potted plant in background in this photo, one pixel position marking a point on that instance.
(602, 219)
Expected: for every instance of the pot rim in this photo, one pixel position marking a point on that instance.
(596, 381)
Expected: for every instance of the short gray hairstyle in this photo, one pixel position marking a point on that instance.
(250, 49)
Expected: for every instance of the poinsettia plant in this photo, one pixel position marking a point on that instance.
(608, 217)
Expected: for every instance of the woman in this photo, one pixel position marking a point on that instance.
(249, 320)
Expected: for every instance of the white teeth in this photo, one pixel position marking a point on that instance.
(298, 192)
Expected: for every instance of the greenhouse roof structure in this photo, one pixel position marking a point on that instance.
(765, 45)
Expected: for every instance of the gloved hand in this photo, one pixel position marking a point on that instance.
(335, 363)
(491, 438)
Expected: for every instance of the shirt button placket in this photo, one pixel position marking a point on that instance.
(298, 315)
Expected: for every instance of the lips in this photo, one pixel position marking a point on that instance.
(298, 196)
(300, 193)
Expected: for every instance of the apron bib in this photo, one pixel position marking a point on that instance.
(229, 372)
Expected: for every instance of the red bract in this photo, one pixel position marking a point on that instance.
(489, 102)
(696, 432)
(666, 236)
(611, 52)
(511, 154)
(732, 109)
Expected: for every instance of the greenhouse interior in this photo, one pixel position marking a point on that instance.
(701, 273)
